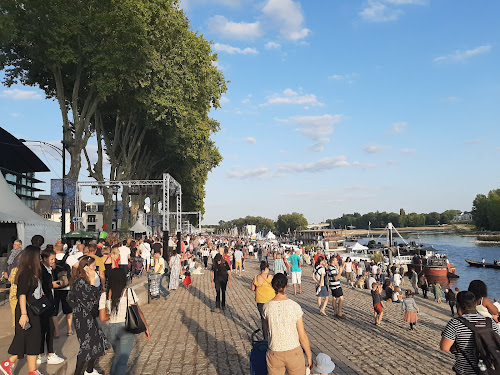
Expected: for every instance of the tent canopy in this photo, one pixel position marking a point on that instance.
(28, 223)
(359, 247)
(139, 227)
(270, 236)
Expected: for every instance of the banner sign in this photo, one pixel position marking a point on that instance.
(56, 188)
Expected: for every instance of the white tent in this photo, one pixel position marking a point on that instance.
(359, 247)
(139, 227)
(28, 223)
(270, 236)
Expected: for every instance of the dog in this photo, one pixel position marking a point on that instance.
(360, 283)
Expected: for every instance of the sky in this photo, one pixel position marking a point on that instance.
(336, 106)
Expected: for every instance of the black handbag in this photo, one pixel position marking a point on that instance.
(42, 307)
(133, 320)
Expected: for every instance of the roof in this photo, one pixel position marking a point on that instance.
(25, 160)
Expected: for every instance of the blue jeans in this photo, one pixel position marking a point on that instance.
(122, 343)
(163, 290)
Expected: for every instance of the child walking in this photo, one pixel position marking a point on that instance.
(410, 309)
(378, 305)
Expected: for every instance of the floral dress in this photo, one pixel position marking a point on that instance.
(175, 272)
(93, 342)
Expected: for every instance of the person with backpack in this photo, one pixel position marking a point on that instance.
(472, 338)
(319, 277)
(62, 272)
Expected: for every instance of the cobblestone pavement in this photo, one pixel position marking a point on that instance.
(188, 338)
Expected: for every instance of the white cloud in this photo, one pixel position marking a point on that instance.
(374, 148)
(376, 11)
(247, 99)
(288, 17)
(408, 150)
(317, 166)
(224, 100)
(272, 45)
(250, 140)
(391, 162)
(349, 78)
(452, 99)
(235, 30)
(218, 47)
(474, 142)
(317, 128)
(17, 94)
(188, 4)
(398, 127)
(291, 97)
(406, 2)
(460, 56)
(250, 173)
(15, 114)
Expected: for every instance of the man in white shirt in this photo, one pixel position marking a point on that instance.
(145, 249)
(205, 253)
(124, 256)
(238, 258)
(397, 279)
(250, 250)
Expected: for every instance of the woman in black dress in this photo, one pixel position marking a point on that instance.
(82, 297)
(221, 278)
(27, 335)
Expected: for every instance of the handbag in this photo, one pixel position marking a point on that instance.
(133, 320)
(42, 307)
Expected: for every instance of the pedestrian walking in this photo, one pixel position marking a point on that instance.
(159, 268)
(458, 338)
(319, 274)
(175, 269)
(113, 308)
(348, 266)
(414, 280)
(295, 263)
(48, 257)
(27, 334)
(334, 271)
(410, 309)
(424, 285)
(451, 296)
(9, 272)
(279, 264)
(205, 253)
(221, 279)
(82, 298)
(264, 292)
(288, 338)
(438, 293)
(378, 305)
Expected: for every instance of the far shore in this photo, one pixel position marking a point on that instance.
(362, 232)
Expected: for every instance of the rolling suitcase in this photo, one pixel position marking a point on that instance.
(258, 363)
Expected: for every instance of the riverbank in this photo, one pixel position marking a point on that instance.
(378, 231)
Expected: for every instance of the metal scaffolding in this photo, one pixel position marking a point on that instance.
(170, 188)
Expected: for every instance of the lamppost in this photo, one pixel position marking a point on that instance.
(62, 194)
(115, 189)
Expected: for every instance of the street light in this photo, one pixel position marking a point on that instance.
(115, 189)
(62, 153)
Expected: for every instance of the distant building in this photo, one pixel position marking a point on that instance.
(318, 226)
(18, 165)
(464, 216)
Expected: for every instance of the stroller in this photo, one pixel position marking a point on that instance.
(154, 285)
(137, 267)
(258, 363)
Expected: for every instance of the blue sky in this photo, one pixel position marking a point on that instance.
(338, 106)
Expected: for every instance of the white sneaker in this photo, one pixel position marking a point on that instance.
(40, 360)
(94, 372)
(54, 359)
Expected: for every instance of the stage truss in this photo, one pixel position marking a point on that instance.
(169, 186)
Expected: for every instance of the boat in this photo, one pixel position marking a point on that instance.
(475, 263)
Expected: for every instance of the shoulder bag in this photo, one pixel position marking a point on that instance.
(133, 320)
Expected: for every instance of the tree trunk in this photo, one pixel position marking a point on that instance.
(107, 214)
(125, 224)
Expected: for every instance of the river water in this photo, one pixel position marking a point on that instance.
(459, 248)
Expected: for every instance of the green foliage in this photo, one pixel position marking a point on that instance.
(381, 219)
(290, 222)
(486, 211)
(261, 223)
(377, 257)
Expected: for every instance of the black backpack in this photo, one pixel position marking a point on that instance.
(487, 346)
(62, 271)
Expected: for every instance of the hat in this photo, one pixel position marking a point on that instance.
(324, 364)
(297, 250)
(104, 226)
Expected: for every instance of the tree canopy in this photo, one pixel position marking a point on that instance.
(486, 211)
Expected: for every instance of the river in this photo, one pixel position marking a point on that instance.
(459, 248)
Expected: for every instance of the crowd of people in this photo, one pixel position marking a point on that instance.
(90, 283)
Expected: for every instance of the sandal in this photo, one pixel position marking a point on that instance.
(71, 333)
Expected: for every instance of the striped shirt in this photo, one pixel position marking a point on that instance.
(279, 266)
(464, 339)
(333, 271)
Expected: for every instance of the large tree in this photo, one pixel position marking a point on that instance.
(291, 222)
